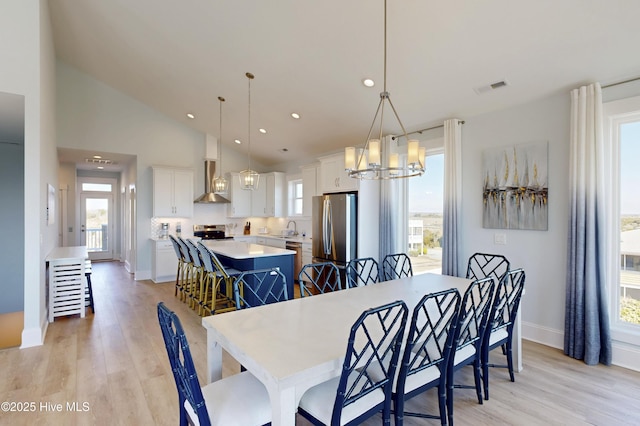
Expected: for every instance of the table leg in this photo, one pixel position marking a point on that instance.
(283, 406)
(214, 359)
(516, 348)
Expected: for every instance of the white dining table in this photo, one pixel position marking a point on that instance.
(294, 345)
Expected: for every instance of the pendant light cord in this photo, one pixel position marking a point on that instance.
(221, 99)
(250, 77)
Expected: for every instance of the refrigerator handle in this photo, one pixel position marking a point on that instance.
(326, 226)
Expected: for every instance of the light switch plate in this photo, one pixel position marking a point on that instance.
(500, 239)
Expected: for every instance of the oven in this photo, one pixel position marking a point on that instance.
(210, 232)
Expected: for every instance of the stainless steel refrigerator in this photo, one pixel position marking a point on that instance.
(335, 230)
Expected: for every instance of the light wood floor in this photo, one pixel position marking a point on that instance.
(115, 365)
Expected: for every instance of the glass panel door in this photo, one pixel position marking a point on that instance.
(96, 225)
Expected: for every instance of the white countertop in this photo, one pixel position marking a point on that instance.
(63, 253)
(242, 250)
(297, 239)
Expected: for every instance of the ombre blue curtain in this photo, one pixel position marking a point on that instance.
(586, 332)
(393, 216)
(452, 196)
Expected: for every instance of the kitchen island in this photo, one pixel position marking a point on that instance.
(247, 256)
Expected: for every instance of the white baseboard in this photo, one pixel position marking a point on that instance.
(142, 275)
(35, 336)
(127, 266)
(624, 355)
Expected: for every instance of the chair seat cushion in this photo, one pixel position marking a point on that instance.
(464, 354)
(237, 400)
(498, 335)
(319, 401)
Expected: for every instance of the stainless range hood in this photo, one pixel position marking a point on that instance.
(209, 197)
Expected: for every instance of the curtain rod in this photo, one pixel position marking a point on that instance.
(424, 130)
(621, 82)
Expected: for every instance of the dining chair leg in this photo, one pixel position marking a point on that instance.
(510, 361)
(477, 377)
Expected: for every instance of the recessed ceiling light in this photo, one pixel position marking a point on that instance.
(284, 150)
(97, 156)
(263, 131)
(295, 115)
(190, 115)
(100, 167)
(238, 141)
(368, 82)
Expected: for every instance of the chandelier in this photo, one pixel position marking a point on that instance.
(220, 184)
(376, 161)
(249, 179)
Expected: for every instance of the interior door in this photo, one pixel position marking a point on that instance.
(96, 224)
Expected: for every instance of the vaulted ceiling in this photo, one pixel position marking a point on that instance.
(310, 57)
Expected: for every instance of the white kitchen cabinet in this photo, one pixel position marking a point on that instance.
(307, 257)
(309, 187)
(266, 201)
(164, 262)
(172, 192)
(240, 199)
(259, 198)
(275, 196)
(333, 176)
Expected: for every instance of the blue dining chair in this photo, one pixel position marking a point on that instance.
(361, 391)
(319, 278)
(182, 262)
(260, 287)
(467, 342)
(212, 404)
(483, 265)
(396, 266)
(362, 271)
(501, 321)
(428, 347)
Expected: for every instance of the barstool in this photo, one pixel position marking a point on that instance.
(88, 301)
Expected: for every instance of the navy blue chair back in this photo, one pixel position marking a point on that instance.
(260, 287)
(318, 278)
(184, 371)
(396, 266)
(501, 321)
(194, 253)
(176, 247)
(205, 256)
(374, 345)
(474, 311)
(429, 347)
(362, 271)
(185, 250)
(483, 265)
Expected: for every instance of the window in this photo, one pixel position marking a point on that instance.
(622, 120)
(425, 208)
(295, 197)
(96, 187)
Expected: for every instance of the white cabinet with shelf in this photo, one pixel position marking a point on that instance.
(307, 257)
(333, 176)
(164, 262)
(172, 192)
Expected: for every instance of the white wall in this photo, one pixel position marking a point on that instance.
(541, 253)
(26, 54)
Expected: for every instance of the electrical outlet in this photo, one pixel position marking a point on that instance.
(500, 239)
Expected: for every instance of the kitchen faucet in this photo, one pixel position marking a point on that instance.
(295, 227)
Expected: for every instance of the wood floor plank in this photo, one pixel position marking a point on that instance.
(115, 361)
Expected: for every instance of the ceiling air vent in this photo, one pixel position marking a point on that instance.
(490, 87)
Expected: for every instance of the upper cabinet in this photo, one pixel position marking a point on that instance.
(240, 205)
(333, 177)
(172, 192)
(266, 201)
(310, 180)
